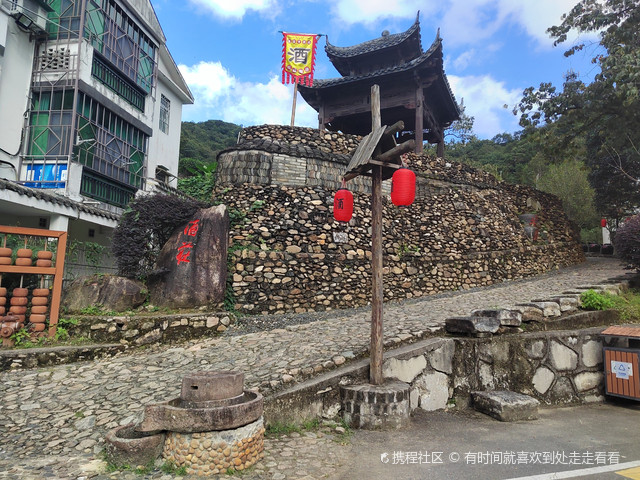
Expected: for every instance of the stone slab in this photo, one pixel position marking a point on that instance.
(472, 325)
(508, 318)
(506, 406)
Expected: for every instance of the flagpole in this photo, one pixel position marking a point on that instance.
(295, 98)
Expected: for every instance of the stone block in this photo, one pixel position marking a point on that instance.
(211, 385)
(588, 380)
(507, 318)
(404, 370)
(549, 309)
(506, 406)
(536, 349)
(542, 379)
(434, 391)
(376, 406)
(530, 313)
(562, 357)
(441, 359)
(591, 353)
(567, 304)
(472, 325)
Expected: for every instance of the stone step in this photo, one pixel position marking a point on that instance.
(472, 325)
(507, 318)
(506, 406)
(566, 304)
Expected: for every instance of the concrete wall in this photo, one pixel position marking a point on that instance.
(15, 79)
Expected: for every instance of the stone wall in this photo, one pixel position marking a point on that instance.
(292, 156)
(287, 254)
(557, 368)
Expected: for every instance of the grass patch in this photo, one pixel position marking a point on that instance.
(278, 428)
(171, 468)
(344, 433)
(628, 305)
(238, 473)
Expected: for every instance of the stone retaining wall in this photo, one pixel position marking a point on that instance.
(144, 330)
(557, 368)
(287, 254)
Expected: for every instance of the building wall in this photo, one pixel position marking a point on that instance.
(15, 78)
(164, 148)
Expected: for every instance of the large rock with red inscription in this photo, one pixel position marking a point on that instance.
(191, 270)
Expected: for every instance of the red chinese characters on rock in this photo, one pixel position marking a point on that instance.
(184, 250)
(192, 228)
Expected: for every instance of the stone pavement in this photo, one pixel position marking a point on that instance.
(53, 420)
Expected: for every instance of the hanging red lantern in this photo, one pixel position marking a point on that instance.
(343, 205)
(403, 187)
(603, 222)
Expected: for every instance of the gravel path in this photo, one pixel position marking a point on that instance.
(53, 420)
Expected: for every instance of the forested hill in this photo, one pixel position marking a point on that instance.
(201, 142)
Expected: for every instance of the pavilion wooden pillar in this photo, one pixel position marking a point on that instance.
(419, 136)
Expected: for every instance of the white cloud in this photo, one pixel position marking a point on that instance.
(220, 95)
(370, 11)
(463, 22)
(234, 9)
(536, 16)
(484, 98)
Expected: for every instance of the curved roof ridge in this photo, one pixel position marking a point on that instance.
(319, 83)
(382, 42)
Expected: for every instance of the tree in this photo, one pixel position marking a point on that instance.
(461, 131)
(577, 195)
(605, 112)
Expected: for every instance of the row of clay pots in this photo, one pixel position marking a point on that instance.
(24, 257)
(19, 304)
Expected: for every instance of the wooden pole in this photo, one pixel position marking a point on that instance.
(419, 120)
(375, 368)
(293, 108)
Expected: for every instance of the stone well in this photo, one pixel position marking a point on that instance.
(213, 426)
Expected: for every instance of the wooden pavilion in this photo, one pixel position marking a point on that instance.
(413, 87)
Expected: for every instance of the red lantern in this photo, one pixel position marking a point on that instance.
(603, 222)
(343, 205)
(403, 187)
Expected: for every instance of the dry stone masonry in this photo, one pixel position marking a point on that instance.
(288, 254)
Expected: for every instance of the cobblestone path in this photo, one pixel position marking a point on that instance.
(53, 420)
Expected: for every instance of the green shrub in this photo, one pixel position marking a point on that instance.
(627, 241)
(592, 300)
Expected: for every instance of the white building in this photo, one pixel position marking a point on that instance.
(90, 112)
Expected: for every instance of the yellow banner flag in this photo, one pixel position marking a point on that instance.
(298, 57)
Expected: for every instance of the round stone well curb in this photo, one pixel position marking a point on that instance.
(371, 407)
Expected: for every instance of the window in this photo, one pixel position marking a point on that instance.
(165, 106)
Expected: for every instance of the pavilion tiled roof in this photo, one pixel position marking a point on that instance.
(380, 43)
(436, 48)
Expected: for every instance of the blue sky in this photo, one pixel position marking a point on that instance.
(229, 51)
